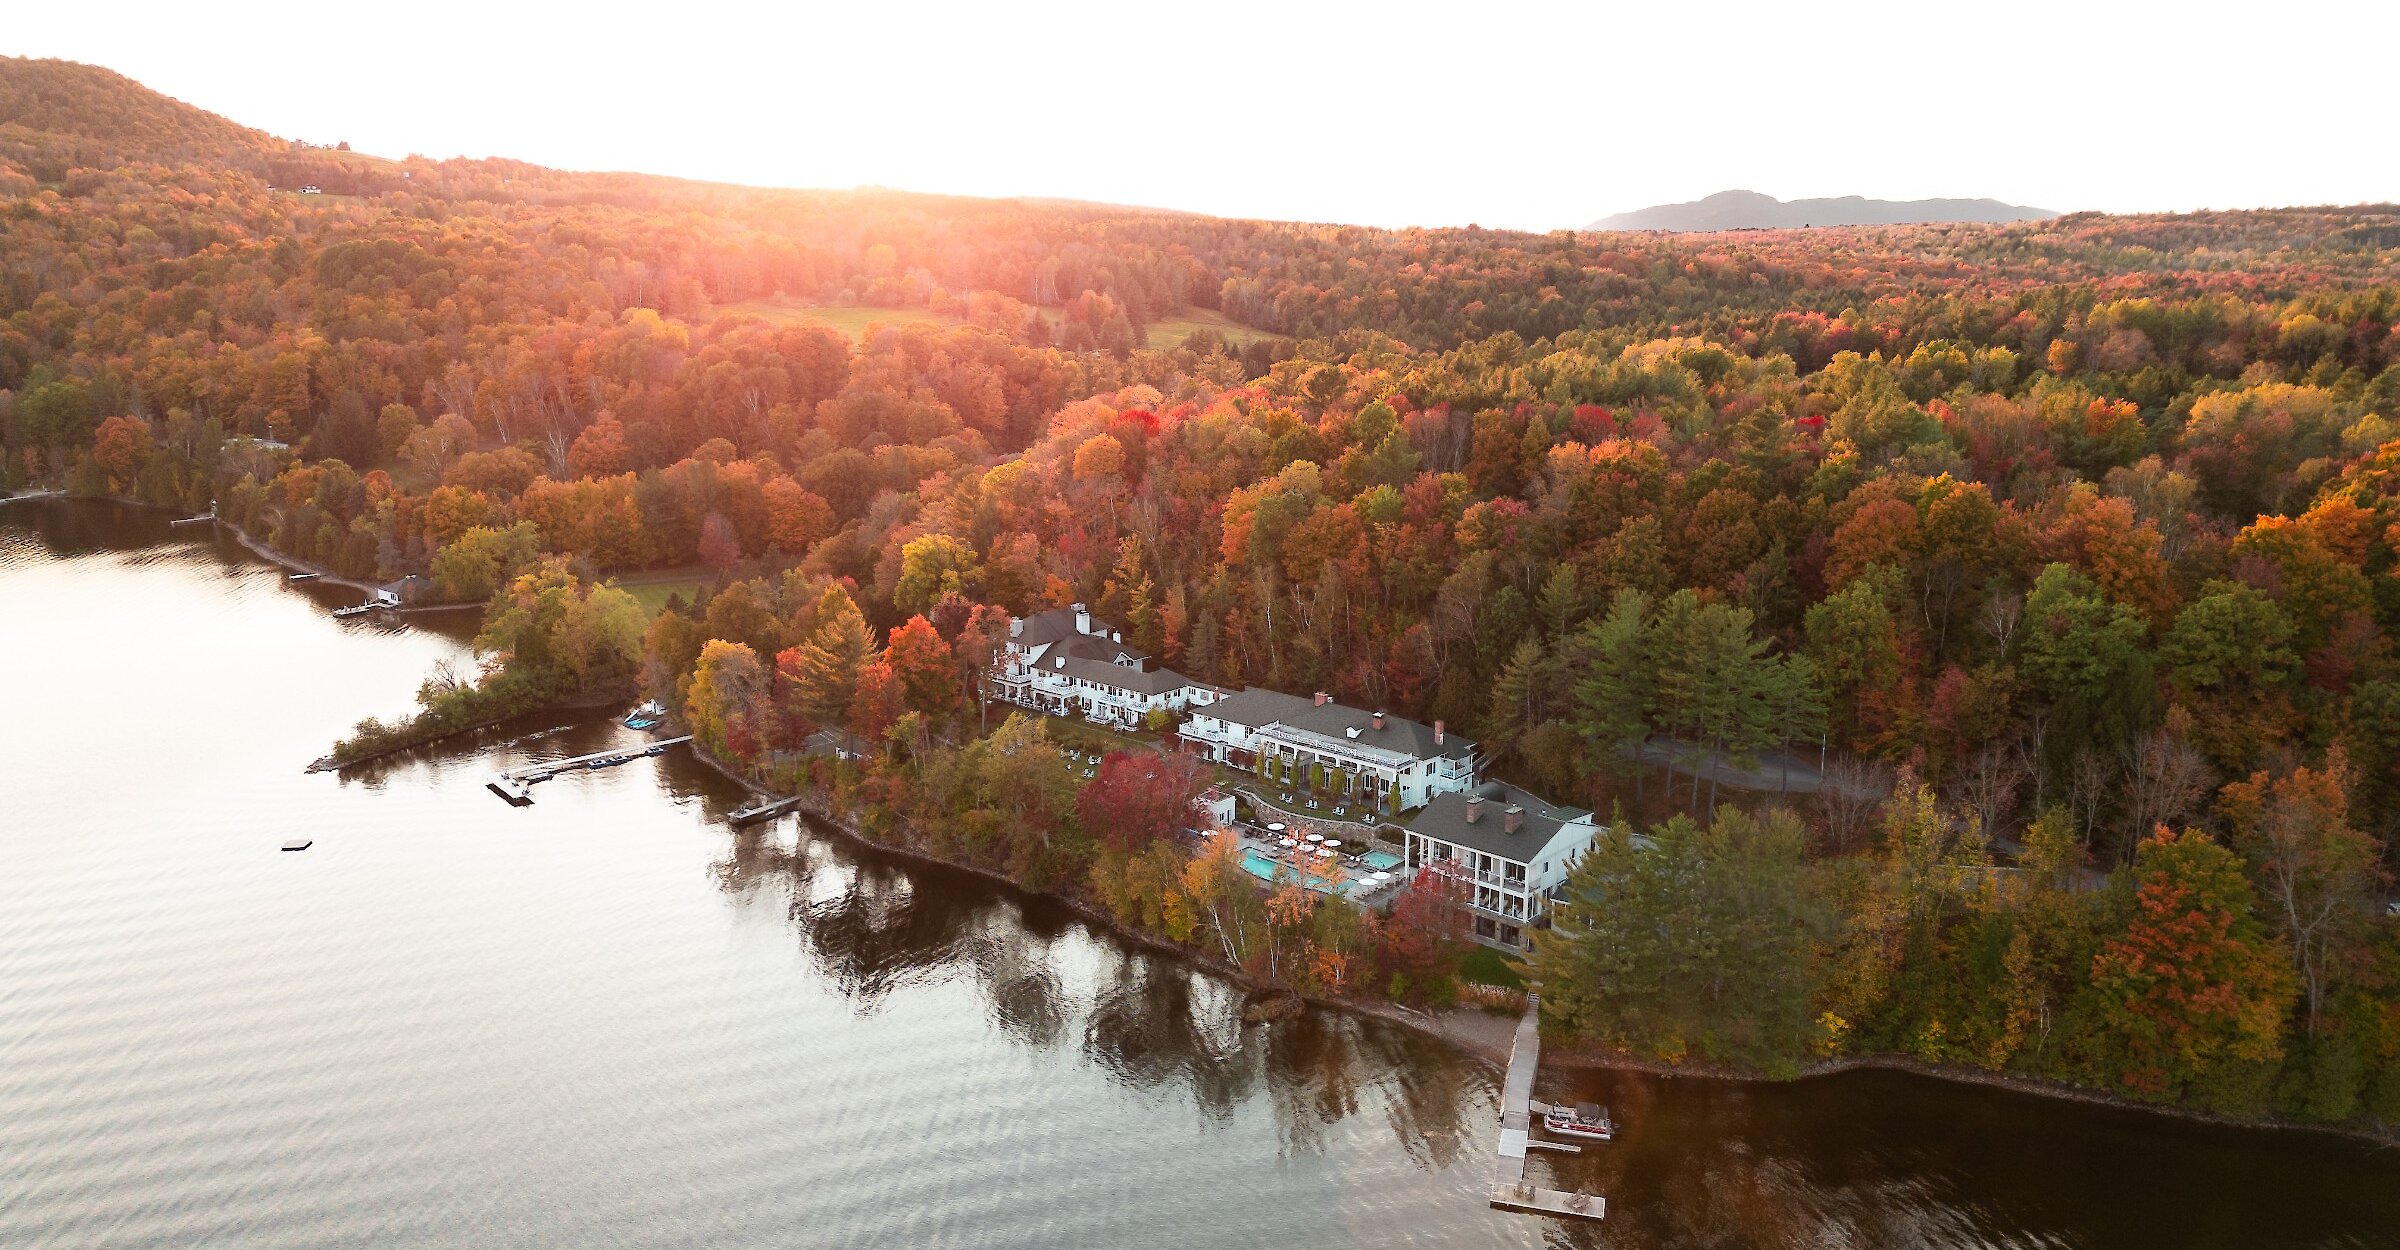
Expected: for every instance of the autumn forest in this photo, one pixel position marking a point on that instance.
(2069, 548)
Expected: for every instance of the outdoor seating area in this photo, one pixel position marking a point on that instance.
(1278, 852)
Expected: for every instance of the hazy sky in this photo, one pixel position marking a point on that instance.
(1507, 114)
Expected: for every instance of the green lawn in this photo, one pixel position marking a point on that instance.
(1082, 735)
(1170, 331)
(652, 589)
(1485, 966)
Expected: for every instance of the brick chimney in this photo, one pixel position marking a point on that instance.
(1512, 818)
(1474, 808)
(1378, 721)
(1437, 733)
(1323, 698)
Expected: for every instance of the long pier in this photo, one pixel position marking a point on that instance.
(1510, 1190)
(516, 784)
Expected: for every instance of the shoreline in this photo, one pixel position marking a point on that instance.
(256, 546)
(1453, 1026)
(328, 764)
(267, 552)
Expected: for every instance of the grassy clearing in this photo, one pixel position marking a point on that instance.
(1485, 966)
(853, 319)
(1170, 331)
(653, 598)
(1082, 735)
(850, 319)
(653, 588)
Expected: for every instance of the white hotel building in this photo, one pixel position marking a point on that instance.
(1509, 849)
(1066, 662)
(1383, 763)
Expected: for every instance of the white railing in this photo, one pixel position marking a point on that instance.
(1339, 748)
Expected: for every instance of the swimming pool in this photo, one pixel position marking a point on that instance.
(1380, 861)
(1266, 869)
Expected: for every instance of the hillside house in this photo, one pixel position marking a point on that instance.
(1067, 662)
(1372, 760)
(1509, 849)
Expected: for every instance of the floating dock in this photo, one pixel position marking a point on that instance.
(209, 515)
(516, 784)
(761, 810)
(298, 844)
(1510, 1190)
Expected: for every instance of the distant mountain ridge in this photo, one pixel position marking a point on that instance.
(1750, 210)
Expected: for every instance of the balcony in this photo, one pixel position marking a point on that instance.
(1495, 880)
(1501, 909)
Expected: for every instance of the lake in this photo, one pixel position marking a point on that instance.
(610, 1019)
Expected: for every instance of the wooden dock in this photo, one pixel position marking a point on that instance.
(1510, 1190)
(761, 810)
(516, 784)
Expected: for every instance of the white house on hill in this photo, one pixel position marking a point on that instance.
(1065, 661)
(1509, 848)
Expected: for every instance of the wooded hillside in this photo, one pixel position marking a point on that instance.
(2055, 534)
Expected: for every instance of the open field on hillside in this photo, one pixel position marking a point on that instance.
(850, 319)
(853, 319)
(1170, 331)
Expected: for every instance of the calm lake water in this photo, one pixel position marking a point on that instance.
(611, 1020)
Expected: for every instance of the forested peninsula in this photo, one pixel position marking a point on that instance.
(2070, 547)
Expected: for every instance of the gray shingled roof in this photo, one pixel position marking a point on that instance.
(1092, 647)
(1151, 680)
(1445, 817)
(1256, 708)
(1044, 627)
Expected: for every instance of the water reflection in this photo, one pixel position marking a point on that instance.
(873, 929)
(1154, 1025)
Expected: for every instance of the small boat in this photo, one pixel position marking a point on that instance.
(648, 716)
(1586, 1120)
(298, 844)
(655, 749)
